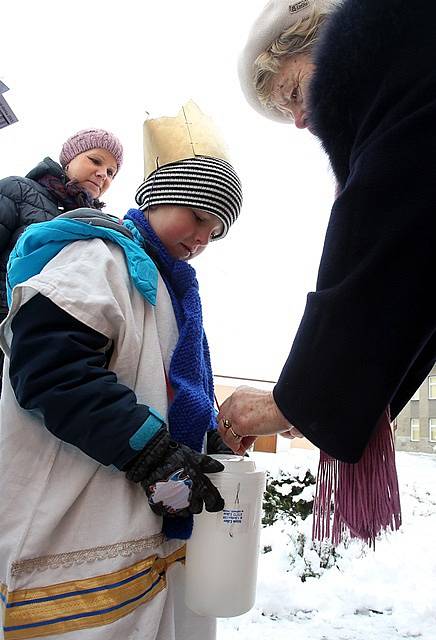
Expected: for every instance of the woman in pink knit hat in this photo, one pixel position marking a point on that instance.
(89, 161)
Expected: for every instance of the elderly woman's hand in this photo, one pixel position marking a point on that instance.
(292, 433)
(249, 413)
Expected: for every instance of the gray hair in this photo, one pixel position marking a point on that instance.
(300, 37)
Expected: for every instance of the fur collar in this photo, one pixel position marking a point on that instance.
(370, 60)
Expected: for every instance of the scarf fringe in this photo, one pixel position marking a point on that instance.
(365, 495)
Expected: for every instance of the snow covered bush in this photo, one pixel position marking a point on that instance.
(289, 498)
(308, 558)
(285, 497)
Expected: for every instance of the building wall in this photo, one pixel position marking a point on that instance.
(421, 409)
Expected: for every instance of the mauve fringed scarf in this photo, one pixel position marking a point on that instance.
(365, 495)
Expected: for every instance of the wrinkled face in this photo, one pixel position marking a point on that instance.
(184, 232)
(290, 88)
(94, 170)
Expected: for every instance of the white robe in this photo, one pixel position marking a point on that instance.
(79, 545)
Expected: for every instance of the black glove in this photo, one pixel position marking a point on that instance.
(172, 476)
(215, 444)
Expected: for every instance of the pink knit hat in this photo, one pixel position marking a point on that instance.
(91, 139)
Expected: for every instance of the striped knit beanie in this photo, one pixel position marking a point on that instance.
(202, 182)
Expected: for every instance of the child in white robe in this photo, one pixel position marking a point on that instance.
(107, 400)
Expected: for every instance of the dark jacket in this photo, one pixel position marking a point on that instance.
(81, 399)
(368, 335)
(24, 201)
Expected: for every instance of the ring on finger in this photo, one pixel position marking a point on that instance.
(236, 435)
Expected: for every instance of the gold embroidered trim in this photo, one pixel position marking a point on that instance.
(92, 602)
(73, 558)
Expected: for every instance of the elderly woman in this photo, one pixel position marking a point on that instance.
(361, 76)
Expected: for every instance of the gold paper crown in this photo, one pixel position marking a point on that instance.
(190, 133)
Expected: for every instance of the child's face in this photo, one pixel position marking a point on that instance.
(185, 232)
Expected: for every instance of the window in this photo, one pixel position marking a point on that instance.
(414, 429)
(432, 387)
(432, 429)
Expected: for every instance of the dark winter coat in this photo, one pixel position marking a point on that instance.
(24, 201)
(368, 335)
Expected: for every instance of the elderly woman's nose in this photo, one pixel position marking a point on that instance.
(300, 118)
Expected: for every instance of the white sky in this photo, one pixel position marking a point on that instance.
(86, 64)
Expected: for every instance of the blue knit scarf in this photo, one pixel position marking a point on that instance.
(191, 412)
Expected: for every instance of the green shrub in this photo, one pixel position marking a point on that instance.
(281, 499)
(309, 559)
(284, 502)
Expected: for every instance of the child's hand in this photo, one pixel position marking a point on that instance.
(215, 444)
(172, 476)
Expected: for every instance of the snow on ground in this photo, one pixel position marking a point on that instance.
(387, 594)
